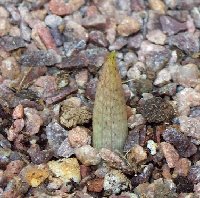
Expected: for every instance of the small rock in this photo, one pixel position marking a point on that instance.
(136, 120)
(18, 112)
(39, 156)
(185, 99)
(74, 31)
(182, 167)
(10, 68)
(128, 26)
(25, 31)
(137, 154)
(82, 78)
(183, 185)
(183, 145)
(95, 21)
(163, 77)
(134, 42)
(34, 175)
(190, 126)
(59, 7)
(157, 5)
(186, 41)
(33, 121)
(72, 47)
(55, 136)
(152, 146)
(66, 169)
(98, 38)
(65, 149)
(119, 43)
(134, 73)
(112, 158)
(137, 5)
(166, 90)
(46, 37)
(95, 185)
(55, 184)
(171, 26)
(156, 110)
(10, 43)
(157, 37)
(15, 129)
(91, 89)
(87, 155)
(53, 21)
(40, 58)
(115, 182)
(143, 176)
(13, 169)
(187, 75)
(57, 36)
(130, 58)
(196, 16)
(4, 26)
(3, 12)
(170, 154)
(79, 136)
(194, 174)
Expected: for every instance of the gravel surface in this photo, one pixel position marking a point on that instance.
(51, 55)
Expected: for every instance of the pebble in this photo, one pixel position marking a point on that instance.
(190, 126)
(187, 75)
(186, 99)
(98, 38)
(170, 154)
(25, 31)
(128, 26)
(82, 78)
(40, 58)
(15, 129)
(182, 167)
(115, 182)
(33, 121)
(13, 169)
(65, 149)
(163, 77)
(10, 68)
(171, 26)
(157, 37)
(136, 120)
(119, 43)
(87, 155)
(4, 26)
(72, 47)
(157, 5)
(185, 41)
(182, 144)
(134, 73)
(137, 154)
(196, 16)
(137, 5)
(74, 31)
(10, 43)
(34, 175)
(59, 7)
(3, 12)
(95, 185)
(133, 138)
(194, 174)
(130, 58)
(152, 146)
(39, 156)
(55, 136)
(156, 110)
(66, 169)
(79, 136)
(53, 21)
(95, 21)
(167, 90)
(135, 41)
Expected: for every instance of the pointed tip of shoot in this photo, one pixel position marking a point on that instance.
(111, 58)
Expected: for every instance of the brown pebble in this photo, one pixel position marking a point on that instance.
(84, 170)
(170, 154)
(182, 167)
(95, 185)
(166, 172)
(18, 112)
